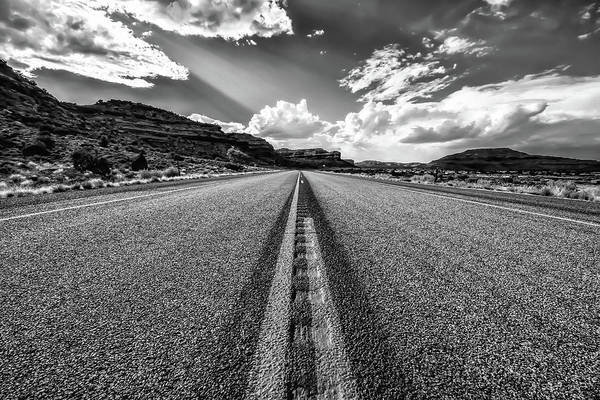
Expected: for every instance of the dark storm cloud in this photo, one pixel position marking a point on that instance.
(21, 23)
(452, 129)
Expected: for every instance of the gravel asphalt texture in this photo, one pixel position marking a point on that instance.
(442, 299)
(163, 296)
(569, 208)
(155, 297)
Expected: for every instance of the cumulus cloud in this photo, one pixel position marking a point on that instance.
(392, 73)
(88, 37)
(461, 45)
(316, 33)
(229, 19)
(431, 95)
(286, 121)
(227, 127)
(73, 36)
(499, 3)
(548, 111)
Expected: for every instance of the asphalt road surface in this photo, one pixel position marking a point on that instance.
(394, 292)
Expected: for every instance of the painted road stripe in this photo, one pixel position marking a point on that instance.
(301, 354)
(334, 379)
(576, 221)
(99, 203)
(267, 379)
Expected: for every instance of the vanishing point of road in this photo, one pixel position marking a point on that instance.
(299, 286)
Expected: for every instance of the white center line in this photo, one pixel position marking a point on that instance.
(267, 379)
(335, 381)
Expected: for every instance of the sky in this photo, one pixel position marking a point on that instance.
(392, 80)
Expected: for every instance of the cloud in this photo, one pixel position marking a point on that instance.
(316, 33)
(286, 123)
(227, 127)
(495, 76)
(229, 19)
(392, 73)
(460, 45)
(543, 113)
(89, 38)
(488, 125)
(499, 3)
(72, 36)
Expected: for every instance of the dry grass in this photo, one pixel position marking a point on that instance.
(18, 187)
(425, 178)
(554, 188)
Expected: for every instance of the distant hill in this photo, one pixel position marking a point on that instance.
(33, 121)
(505, 159)
(387, 165)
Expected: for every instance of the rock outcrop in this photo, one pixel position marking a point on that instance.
(315, 158)
(28, 112)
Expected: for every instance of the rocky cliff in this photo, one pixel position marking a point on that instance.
(30, 117)
(314, 158)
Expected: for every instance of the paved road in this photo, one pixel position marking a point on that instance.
(154, 297)
(443, 298)
(162, 292)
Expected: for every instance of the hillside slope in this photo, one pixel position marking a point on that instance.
(117, 130)
(504, 159)
(387, 165)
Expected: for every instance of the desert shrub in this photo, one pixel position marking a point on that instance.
(47, 140)
(16, 178)
(230, 166)
(425, 178)
(235, 155)
(93, 183)
(35, 149)
(546, 191)
(87, 185)
(104, 141)
(568, 185)
(149, 174)
(102, 166)
(62, 188)
(139, 163)
(171, 172)
(82, 160)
